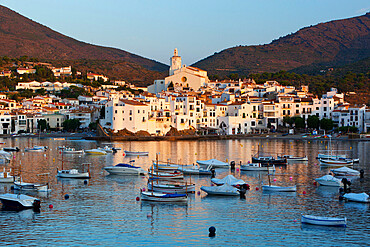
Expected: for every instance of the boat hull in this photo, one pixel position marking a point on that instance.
(124, 171)
(130, 153)
(30, 186)
(161, 197)
(81, 175)
(272, 161)
(323, 221)
(279, 188)
(172, 189)
(218, 193)
(254, 167)
(19, 202)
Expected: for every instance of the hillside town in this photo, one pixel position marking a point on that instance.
(186, 99)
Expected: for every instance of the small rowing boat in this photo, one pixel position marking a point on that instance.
(132, 153)
(329, 180)
(345, 171)
(279, 188)
(223, 190)
(72, 151)
(357, 197)
(95, 152)
(163, 197)
(324, 221)
(257, 167)
(19, 202)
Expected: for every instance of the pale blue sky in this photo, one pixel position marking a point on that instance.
(198, 28)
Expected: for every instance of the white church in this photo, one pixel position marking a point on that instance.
(181, 77)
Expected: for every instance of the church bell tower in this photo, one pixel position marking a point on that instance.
(175, 62)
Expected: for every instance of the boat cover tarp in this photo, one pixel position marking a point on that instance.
(327, 178)
(362, 197)
(212, 162)
(226, 188)
(345, 169)
(126, 165)
(229, 179)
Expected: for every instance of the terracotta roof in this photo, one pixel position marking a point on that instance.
(133, 102)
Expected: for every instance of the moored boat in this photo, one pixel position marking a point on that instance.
(95, 152)
(124, 169)
(165, 175)
(163, 197)
(293, 158)
(19, 202)
(229, 179)
(257, 167)
(223, 190)
(36, 149)
(269, 160)
(279, 188)
(72, 173)
(329, 180)
(324, 221)
(7, 177)
(31, 186)
(72, 151)
(357, 197)
(106, 149)
(345, 171)
(194, 170)
(171, 188)
(11, 149)
(336, 162)
(214, 163)
(132, 153)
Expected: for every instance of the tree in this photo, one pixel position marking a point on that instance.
(71, 124)
(288, 120)
(299, 122)
(42, 124)
(326, 124)
(313, 122)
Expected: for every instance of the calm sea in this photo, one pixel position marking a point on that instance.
(105, 211)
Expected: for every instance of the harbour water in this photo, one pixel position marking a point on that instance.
(105, 211)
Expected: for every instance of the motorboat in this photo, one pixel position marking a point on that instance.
(214, 163)
(95, 152)
(293, 158)
(223, 190)
(229, 179)
(19, 202)
(171, 188)
(106, 149)
(72, 151)
(194, 170)
(7, 177)
(324, 221)
(163, 197)
(279, 188)
(124, 169)
(345, 171)
(132, 153)
(357, 197)
(36, 149)
(336, 162)
(72, 173)
(257, 167)
(269, 160)
(31, 186)
(329, 180)
(5, 155)
(11, 149)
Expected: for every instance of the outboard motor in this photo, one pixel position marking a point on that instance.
(345, 184)
(362, 173)
(213, 171)
(242, 192)
(36, 205)
(232, 165)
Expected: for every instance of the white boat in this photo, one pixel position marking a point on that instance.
(279, 188)
(324, 221)
(223, 190)
(165, 175)
(95, 152)
(72, 173)
(257, 167)
(106, 149)
(30, 186)
(293, 158)
(345, 171)
(163, 197)
(132, 153)
(329, 180)
(336, 162)
(72, 151)
(19, 202)
(194, 170)
(171, 188)
(36, 149)
(7, 177)
(124, 169)
(330, 156)
(165, 166)
(357, 197)
(229, 179)
(214, 163)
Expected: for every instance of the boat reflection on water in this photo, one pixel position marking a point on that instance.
(357, 206)
(328, 229)
(327, 191)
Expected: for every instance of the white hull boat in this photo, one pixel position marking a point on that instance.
(31, 186)
(357, 197)
(336, 162)
(19, 202)
(72, 151)
(229, 179)
(166, 175)
(328, 156)
(35, 149)
(132, 153)
(345, 171)
(329, 180)
(292, 158)
(279, 188)
(194, 170)
(95, 152)
(213, 163)
(106, 149)
(163, 197)
(73, 173)
(257, 167)
(324, 221)
(6, 177)
(165, 167)
(172, 188)
(223, 190)
(124, 169)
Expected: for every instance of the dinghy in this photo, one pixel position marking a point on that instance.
(165, 175)
(214, 163)
(163, 197)
(279, 188)
(172, 188)
(106, 149)
(73, 173)
(336, 162)
(323, 221)
(124, 169)
(95, 152)
(36, 149)
(194, 170)
(31, 186)
(19, 202)
(345, 171)
(329, 180)
(229, 179)
(223, 190)
(72, 151)
(257, 167)
(357, 197)
(132, 153)
(293, 158)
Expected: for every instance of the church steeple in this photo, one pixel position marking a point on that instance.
(175, 62)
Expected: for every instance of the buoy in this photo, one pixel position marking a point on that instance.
(53, 159)
(198, 193)
(212, 231)
(304, 192)
(290, 178)
(66, 196)
(51, 206)
(195, 153)
(237, 169)
(85, 181)
(314, 183)
(144, 189)
(148, 215)
(44, 155)
(14, 157)
(274, 179)
(295, 220)
(137, 198)
(257, 188)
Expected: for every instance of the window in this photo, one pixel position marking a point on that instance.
(253, 123)
(131, 112)
(130, 118)
(143, 119)
(325, 109)
(138, 111)
(115, 111)
(297, 111)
